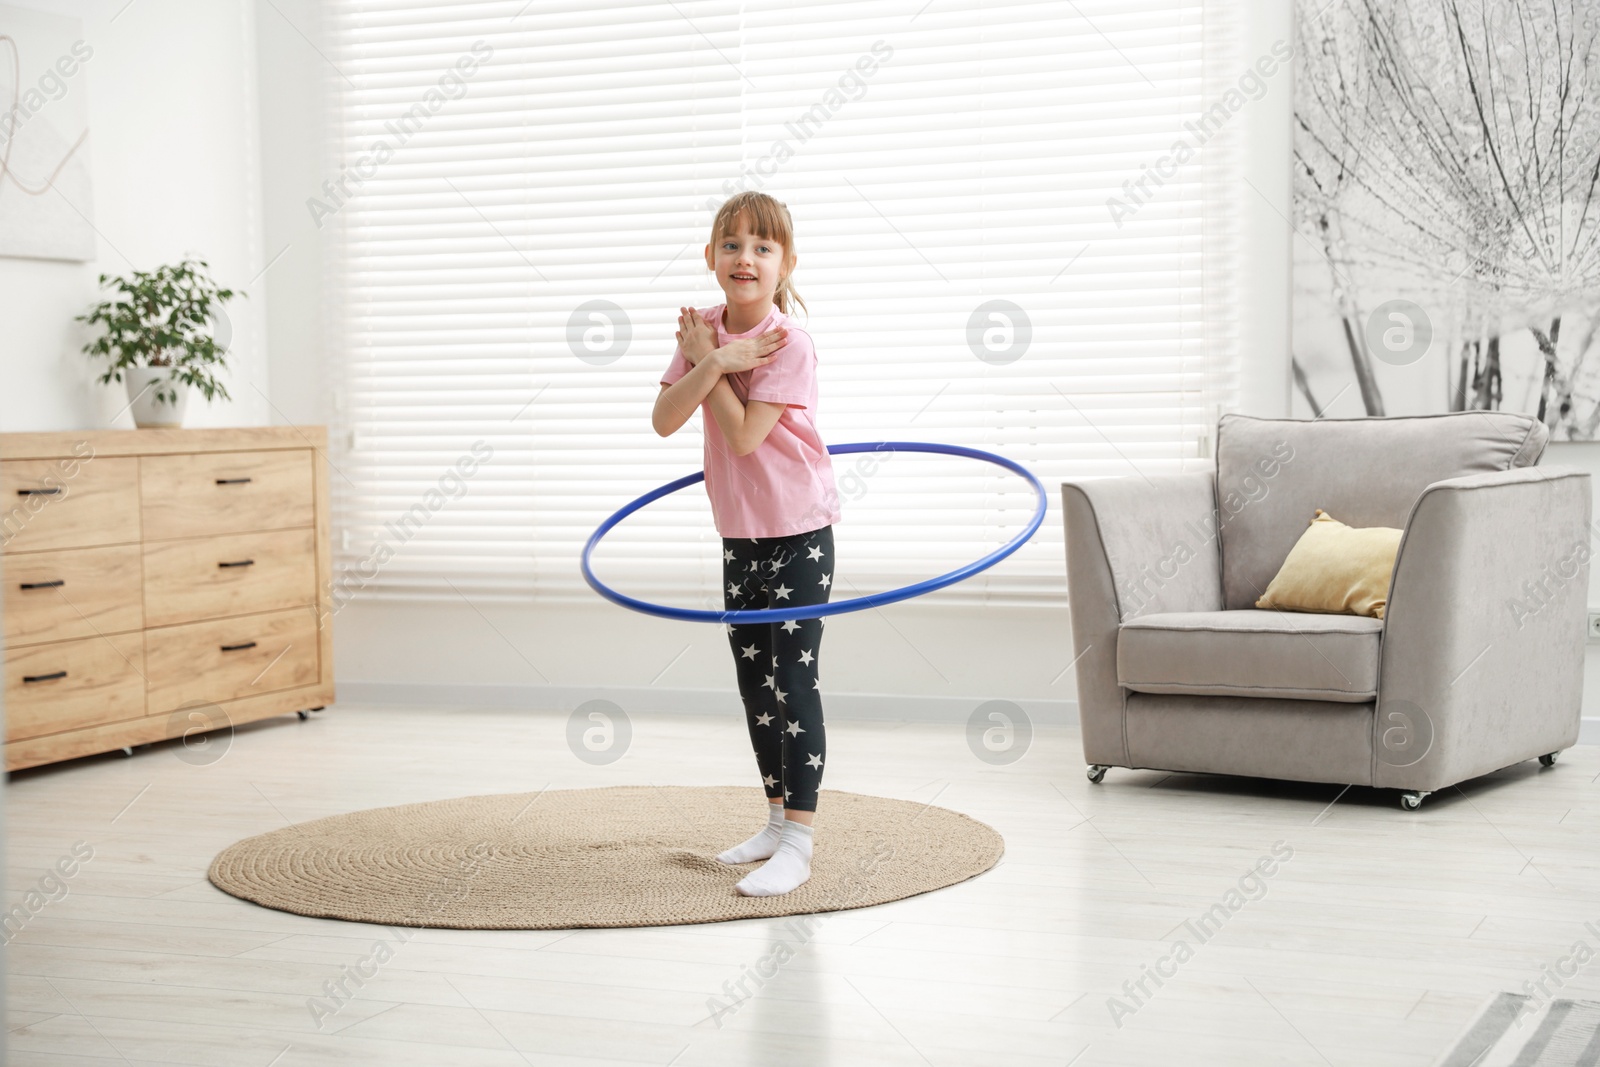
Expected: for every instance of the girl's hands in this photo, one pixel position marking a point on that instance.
(698, 341)
(695, 336)
(749, 352)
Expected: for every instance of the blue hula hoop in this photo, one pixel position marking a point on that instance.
(812, 611)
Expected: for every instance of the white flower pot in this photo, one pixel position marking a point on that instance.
(143, 383)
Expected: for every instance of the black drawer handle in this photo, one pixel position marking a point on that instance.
(239, 563)
(43, 677)
(39, 492)
(44, 585)
(235, 648)
(232, 481)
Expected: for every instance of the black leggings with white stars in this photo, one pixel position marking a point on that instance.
(776, 662)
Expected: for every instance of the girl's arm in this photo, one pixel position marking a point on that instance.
(745, 424)
(676, 402)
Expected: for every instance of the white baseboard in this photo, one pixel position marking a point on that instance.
(891, 707)
(880, 707)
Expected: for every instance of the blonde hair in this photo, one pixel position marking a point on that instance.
(768, 219)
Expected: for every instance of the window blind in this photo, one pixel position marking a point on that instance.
(991, 249)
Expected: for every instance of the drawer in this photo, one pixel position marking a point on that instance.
(97, 680)
(198, 495)
(78, 592)
(234, 574)
(229, 658)
(68, 503)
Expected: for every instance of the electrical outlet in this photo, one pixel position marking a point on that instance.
(1594, 625)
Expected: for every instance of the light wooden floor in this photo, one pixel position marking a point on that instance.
(1372, 946)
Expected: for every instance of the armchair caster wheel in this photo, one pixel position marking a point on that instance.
(1549, 758)
(1413, 800)
(1097, 771)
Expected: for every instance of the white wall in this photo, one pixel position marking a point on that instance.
(174, 153)
(1264, 282)
(293, 77)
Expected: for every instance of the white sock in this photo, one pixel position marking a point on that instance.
(763, 844)
(788, 868)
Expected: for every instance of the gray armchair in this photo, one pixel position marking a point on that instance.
(1477, 664)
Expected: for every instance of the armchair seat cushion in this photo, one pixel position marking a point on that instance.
(1251, 652)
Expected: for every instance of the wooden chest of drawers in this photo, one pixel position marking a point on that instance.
(161, 581)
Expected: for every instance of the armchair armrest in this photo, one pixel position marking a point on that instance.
(1484, 635)
(1135, 546)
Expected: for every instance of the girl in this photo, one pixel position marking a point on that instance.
(774, 502)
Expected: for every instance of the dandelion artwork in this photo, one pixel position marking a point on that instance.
(1447, 209)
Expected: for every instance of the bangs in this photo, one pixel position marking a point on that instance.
(760, 214)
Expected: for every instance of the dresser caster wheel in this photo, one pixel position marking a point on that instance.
(127, 750)
(1413, 800)
(1097, 771)
(1549, 758)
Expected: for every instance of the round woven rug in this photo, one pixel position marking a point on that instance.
(622, 855)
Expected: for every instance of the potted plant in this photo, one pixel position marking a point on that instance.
(164, 331)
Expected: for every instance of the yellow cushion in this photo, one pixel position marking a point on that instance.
(1336, 569)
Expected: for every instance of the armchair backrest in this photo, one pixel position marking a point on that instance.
(1272, 475)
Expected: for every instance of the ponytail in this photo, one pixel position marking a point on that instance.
(786, 296)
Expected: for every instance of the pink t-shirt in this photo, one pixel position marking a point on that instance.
(786, 485)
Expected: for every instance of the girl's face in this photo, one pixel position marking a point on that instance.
(748, 267)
